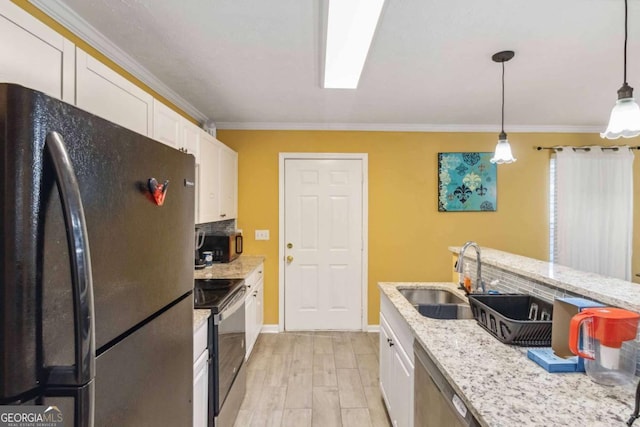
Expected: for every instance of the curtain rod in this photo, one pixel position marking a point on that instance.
(538, 148)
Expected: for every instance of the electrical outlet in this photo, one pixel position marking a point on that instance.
(262, 234)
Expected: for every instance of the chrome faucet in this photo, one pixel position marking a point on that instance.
(479, 268)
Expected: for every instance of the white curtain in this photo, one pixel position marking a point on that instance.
(595, 210)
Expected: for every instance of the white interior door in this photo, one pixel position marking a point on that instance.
(323, 236)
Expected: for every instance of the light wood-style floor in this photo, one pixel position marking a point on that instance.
(324, 379)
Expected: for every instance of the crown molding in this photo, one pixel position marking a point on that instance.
(64, 15)
(402, 127)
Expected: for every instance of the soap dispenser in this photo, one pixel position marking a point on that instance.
(466, 278)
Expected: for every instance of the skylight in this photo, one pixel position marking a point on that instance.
(350, 29)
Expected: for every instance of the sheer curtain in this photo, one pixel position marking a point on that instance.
(595, 210)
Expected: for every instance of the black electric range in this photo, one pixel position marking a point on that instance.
(215, 294)
(226, 344)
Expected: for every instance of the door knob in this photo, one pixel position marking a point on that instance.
(289, 258)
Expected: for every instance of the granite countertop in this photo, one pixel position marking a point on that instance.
(240, 268)
(607, 290)
(200, 317)
(499, 384)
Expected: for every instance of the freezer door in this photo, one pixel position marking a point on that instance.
(147, 379)
(144, 380)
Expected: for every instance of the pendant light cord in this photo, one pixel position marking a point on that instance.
(626, 13)
(502, 124)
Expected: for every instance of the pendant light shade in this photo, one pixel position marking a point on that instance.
(625, 116)
(503, 148)
(503, 151)
(624, 120)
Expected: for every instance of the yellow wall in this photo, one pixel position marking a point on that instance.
(408, 237)
(37, 13)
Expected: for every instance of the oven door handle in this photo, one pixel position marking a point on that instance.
(233, 306)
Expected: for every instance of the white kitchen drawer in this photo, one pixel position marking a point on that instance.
(399, 326)
(200, 340)
(254, 278)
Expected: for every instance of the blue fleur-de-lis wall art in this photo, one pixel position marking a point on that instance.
(466, 182)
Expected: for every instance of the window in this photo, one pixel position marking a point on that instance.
(591, 209)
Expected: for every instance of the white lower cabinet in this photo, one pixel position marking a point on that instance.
(200, 377)
(201, 390)
(254, 307)
(396, 367)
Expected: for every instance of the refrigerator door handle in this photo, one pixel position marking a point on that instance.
(83, 371)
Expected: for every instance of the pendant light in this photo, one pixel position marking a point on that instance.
(625, 116)
(503, 149)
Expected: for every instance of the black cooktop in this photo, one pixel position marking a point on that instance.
(214, 294)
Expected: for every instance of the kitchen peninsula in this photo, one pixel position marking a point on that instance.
(497, 382)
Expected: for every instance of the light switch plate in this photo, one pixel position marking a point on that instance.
(262, 234)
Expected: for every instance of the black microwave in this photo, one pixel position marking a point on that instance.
(225, 248)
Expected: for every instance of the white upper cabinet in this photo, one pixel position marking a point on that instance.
(172, 129)
(208, 179)
(191, 144)
(33, 55)
(105, 93)
(218, 180)
(167, 125)
(228, 165)
(190, 138)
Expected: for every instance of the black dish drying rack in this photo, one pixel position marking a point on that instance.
(522, 320)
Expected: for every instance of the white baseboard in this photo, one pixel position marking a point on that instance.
(269, 329)
(273, 329)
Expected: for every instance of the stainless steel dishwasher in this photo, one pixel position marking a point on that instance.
(435, 402)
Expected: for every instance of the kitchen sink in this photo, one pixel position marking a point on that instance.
(419, 296)
(438, 303)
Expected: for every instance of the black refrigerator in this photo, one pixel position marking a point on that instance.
(96, 264)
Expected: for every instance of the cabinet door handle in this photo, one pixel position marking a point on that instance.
(223, 215)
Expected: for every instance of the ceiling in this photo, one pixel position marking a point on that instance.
(257, 64)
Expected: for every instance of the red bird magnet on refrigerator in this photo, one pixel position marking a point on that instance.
(158, 191)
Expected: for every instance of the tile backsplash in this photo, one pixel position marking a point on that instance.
(219, 227)
(509, 282)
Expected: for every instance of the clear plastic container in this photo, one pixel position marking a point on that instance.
(606, 338)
